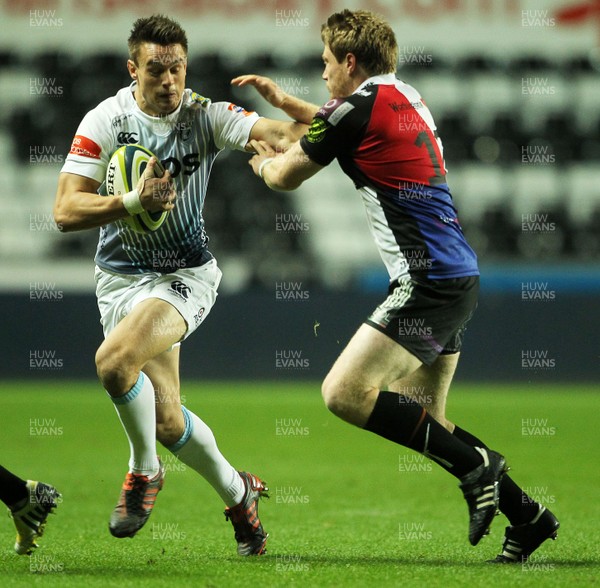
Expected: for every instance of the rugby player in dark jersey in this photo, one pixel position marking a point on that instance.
(384, 138)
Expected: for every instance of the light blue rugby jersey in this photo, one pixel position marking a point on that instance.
(187, 142)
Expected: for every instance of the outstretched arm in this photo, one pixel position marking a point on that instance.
(285, 171)
(280, 135)
(299, 110)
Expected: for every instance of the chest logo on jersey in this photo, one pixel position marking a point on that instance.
(127, 138)
(316, 131)
(405, 106)
(117, 121)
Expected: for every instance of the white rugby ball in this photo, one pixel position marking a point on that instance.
(125, 168)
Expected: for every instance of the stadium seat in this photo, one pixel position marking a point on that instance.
(456, 137)
(586, 89)
(498, 92)
(531, 63)
(9, 59)
(497, 233)
(582, 192)
(561, 131)
(581, 64)
(442, 91)
(536, 188)
(477, 188)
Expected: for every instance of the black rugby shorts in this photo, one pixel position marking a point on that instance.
(427, 317)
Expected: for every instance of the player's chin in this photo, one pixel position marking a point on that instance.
(167, 103)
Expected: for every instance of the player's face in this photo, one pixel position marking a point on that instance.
(160, 75)
(336, 75)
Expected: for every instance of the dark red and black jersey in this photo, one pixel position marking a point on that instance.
(385, 139)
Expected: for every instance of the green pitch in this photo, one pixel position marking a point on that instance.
(346, 509)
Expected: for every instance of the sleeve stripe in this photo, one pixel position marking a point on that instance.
(85, 147)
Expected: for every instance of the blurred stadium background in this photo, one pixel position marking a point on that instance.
(514, 87)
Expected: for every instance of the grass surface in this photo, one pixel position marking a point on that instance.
(346, 508)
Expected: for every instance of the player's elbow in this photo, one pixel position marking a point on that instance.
(288, 134)
(288, 139)
(63, 220)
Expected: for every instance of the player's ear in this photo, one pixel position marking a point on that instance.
(132, 68)
(350, 61)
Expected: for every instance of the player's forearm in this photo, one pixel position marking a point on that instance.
(295, 108)
(278, 176)
(82, 210)
(275, 181)
(289, 134)
(298, 109)
(283, 172)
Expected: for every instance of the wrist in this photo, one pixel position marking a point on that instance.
(132, 202)
(262, 165)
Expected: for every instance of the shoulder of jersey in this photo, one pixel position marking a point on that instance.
(198, 101)
(329, 115)
(114, 108)
(335, 110)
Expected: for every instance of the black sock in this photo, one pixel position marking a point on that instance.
(516, 505)
(12, 488)
(401, 420)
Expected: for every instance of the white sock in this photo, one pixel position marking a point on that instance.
(137, 412)
(198, 449)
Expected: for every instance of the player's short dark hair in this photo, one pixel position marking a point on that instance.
(159, 29)
(364, 34)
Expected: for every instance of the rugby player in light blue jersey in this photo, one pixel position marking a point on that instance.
(147, 311)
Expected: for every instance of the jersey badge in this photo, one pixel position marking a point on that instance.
(185, 130)
(127, 138)
(334, 110)
(239, 109)
(316, 131)
(86, 147)
(181, 289)
(198, 98)
(340, 112)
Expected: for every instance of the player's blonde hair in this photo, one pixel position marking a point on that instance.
(364, 34)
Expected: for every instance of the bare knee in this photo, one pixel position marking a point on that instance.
(333, 395)
(116, 369)
(346, 400)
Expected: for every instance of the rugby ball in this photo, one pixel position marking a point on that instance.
(125, 168)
